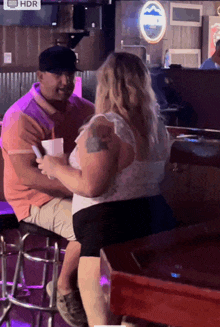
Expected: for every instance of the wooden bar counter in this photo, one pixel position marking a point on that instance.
(171, 278)
(174, 277)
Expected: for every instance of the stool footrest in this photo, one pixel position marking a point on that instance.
(30, 257)
(31, 306)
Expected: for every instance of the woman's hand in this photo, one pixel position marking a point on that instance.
(49, 164)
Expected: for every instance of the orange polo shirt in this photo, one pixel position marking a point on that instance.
(27, 122)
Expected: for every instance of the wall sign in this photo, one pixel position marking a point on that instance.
(152, 21)
(214, 37)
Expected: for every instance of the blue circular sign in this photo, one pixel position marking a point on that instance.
(152, 21)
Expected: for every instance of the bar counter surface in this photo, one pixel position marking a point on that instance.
(171, 277)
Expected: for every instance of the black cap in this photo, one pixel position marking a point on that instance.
(57, 59)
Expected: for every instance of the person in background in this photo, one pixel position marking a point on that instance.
(167, 59)
(49, 106)
(114, 173)
(214, 61)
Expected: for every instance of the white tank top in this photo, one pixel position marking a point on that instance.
(139, 179)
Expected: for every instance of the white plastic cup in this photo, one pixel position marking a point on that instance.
(53, 147)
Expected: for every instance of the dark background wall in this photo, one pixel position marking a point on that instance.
(25, 43)
(176, 37)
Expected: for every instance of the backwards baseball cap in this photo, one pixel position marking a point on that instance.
(57, 59)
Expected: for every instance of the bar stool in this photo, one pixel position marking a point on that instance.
(8, 227)
(29, 230)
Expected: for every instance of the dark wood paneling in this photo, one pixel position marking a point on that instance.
(45, 38)
(9, 42)
(32, 45)
(21, 44)
(1, 45)
(91, 51)
(25, 44)
(192, 192)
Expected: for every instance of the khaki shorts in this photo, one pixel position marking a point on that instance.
(56, 216)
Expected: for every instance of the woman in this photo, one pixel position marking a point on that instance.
(114, 172)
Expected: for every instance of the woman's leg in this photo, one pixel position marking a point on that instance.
(91, 293)
(67, 280)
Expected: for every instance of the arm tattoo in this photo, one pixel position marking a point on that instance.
(99, 138)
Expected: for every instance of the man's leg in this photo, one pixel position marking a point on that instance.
(56, 216)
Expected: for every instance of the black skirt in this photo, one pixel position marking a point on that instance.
(116, 222)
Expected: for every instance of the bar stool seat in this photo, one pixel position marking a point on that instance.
(8, 219)
(25, 228)
(51, 255)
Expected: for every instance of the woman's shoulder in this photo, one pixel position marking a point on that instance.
(98, 128)
(110, 117)
(108, 124)
(110, 120)
(100, 119)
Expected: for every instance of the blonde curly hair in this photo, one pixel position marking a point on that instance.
(124, 87)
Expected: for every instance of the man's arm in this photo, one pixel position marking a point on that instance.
(98, 150)
(19, 132)
(26, 169)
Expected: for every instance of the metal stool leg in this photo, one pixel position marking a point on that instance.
(54, 282)
(55, 261)
(44, 281)
(45, 270)
(19, 264)
(4, 298)
(22, 285)
(4, 271)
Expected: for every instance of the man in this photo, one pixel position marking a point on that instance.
(214, 61)
(48, 107)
